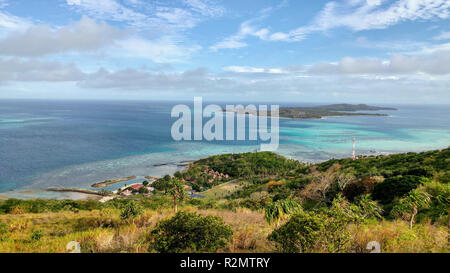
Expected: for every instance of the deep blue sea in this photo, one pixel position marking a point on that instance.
(77, 143)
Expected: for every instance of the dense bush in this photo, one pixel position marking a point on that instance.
(420, 164)
(300, 234)
(3, 231)
(190, 232)
(131, 210)
(322, 230)
(361, 187)
(36, 235)
(162, 184)
(253, 164)
(396, 186)
(440, 201)
(298, 183)
(40, 205)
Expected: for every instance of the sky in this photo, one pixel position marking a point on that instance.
(350, 51)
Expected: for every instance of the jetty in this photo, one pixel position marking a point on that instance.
(112, 181)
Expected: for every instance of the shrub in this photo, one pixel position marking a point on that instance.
(298, 183)
(396, 186)
(323, 230)
(299, 234)
(3, 231)
(363, 186)
(408, 207)
(367, 208)
(419, 171)
(275, 212)
(440, 201)
(36, 235)
(131, 210)
(190, 232)
(143, 190)
(336, 236)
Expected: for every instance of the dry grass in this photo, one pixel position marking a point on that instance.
(397, 237)
(224, 189)
(103, 231)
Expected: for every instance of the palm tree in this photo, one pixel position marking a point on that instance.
(279, 210)
(409, 206)
(176, 189)
(368, 207)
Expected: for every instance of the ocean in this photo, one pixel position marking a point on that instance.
(77, 143)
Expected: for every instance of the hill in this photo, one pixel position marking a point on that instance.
(400, 201)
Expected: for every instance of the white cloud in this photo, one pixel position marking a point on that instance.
(248, 69)
(197, 79)
(369, 16)
(87, 35)
(161, 50)
(108, 10)
(437, 63)
(246, 29)
(356, 15)
(9, 22)
(33, 70)
(207, 8)
(366, 15)
(83, 36)
(228, 43)
(3, 3)
(443, 36)
(155, 16)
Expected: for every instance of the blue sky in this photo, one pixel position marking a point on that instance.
(375, 51)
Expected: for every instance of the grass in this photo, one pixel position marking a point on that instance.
(223, 190)
(103, 231)
(397, 237)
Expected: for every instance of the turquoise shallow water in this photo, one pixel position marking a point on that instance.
(75, 144)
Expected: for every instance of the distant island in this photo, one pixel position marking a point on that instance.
(315, 112)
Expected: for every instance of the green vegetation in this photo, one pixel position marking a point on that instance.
(254, 202)
(131, 210)
(330, 110)
(326, 111)
(396, 186)
(190, 232)
(275, 212)
(176, 190)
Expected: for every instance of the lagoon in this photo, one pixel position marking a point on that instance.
(78, 143)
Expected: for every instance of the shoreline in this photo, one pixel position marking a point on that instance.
(89, 194)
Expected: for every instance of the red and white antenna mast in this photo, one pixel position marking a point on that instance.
(354, 149)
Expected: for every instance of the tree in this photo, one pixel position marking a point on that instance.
(279, 210)
(190, 232)
(336, 236)
(344, 179)
(130, 210)
(361, 187)
(409, 206)
(318, 188)
(367, 207)
(397, 186)
(143, 190)
(162, 184)
(300, 234)
(176, 190)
